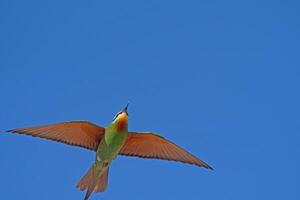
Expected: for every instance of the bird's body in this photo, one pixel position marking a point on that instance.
(108, 143)
(114, 138)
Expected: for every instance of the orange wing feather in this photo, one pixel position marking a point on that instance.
(77, 133)
(149, 145)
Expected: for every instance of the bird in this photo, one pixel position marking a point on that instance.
(108, 143)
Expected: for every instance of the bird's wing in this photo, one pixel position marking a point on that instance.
(149, 145)
(77, 133)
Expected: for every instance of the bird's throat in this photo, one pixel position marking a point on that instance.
(121, 125)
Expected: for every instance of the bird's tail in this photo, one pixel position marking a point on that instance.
(94, 180)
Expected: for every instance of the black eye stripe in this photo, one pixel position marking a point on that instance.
(117, 115)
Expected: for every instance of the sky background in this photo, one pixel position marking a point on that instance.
(219, 78)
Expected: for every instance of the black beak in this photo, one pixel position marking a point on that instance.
(126, 109)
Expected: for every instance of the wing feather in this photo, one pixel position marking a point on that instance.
(77, 133)
(149, 145)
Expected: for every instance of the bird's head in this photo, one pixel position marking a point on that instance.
(121, 119)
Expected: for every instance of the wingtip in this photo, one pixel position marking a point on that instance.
(206, 166)
(8, 131)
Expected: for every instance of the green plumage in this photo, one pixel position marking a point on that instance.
(108, 149)
(111, 144)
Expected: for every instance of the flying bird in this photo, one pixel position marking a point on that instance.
(108, 143)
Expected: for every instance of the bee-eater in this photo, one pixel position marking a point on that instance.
(108, 143)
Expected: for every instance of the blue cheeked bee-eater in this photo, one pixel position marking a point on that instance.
(108, 143)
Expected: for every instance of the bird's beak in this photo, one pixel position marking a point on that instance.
(126, 109)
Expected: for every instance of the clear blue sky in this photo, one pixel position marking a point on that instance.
(219, 78)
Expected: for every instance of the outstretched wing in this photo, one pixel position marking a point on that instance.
(77, 133)
(149, 145)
